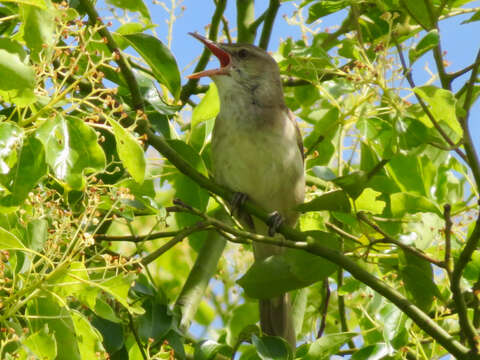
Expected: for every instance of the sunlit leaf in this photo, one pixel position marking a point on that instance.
(130, 151)
(367, 201)
(88, 338)
(39, 29)
(442, 105)
(132, 5)
(9, 241)
(327, 346)
(17, 79)
(272, 348)
(72, 149)
(208, 349)
(208, 107)
(10, 140)
(427, 43)
(159, 58)
(42, 344)
(26, 173)
(332, 201)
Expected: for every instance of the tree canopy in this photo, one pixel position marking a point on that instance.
(108, 211)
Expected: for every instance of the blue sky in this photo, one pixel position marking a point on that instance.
(460, 42)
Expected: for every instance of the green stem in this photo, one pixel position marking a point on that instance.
(245, 18)
(270, 16)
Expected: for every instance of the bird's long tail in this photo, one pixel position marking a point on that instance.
(275, 314)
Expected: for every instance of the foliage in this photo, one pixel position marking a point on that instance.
(384, 263)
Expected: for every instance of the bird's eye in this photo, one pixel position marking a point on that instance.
(242, 54)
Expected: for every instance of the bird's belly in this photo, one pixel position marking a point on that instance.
(266, 167)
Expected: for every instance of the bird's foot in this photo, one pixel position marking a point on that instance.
(238, 200)
(274, 221)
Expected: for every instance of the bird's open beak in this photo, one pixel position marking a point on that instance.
(222, 56)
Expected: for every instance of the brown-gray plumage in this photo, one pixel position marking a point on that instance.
(257, 150)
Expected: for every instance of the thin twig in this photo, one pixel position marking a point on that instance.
(448, 235)
(465, 324)
(136, 238)
(459, 73)
(326, 300)
(388, 239)
(268, 23)
(408, 75)
(200, 226)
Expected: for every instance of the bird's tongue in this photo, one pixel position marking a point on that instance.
(221, 55)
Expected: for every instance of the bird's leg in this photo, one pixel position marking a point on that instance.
(274, 221)
(238, 200)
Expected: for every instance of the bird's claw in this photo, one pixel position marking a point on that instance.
(238, 200)
(274, 221)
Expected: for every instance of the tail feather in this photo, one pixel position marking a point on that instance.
(275, 314)
(276, 318)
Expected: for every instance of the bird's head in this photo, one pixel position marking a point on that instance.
(242, 66)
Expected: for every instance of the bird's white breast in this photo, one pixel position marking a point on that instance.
(260, 158)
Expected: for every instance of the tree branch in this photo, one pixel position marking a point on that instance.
(136, 238)
(465, 324)
(178, 238)
(268, 23)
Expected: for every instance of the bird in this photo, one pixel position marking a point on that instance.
(257, 152)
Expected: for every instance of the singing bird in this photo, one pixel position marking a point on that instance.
(257, 152)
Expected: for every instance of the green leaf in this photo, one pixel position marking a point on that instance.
(419, 11)
(353, 183)
(132, 5)
(44, 311)
(367, 201)
(475, 17)
(205, 313)
(272, 348)
(157, 320)
(407, 173)
(37, 233)
(118, 287)
(427, 43)
(75, 281)
(372, 352)
(105, 311)
(38, 3)
(72, 149)
(129, 151)
(242, 316)
(325, 7)
(327, 346)
(11, 137)
(442, 105)
(403, 203)
(159, 58)
(17, 79)
(417, 275)
(112, 333)
(88, 338)
(39, 29)
(42, 344)
(28, 170)
(208, 349)
(125, 29)
(208, 107)
(291, 270)
(335, 200)
(9, 241)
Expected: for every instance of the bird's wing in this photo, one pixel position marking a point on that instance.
(291, 116)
